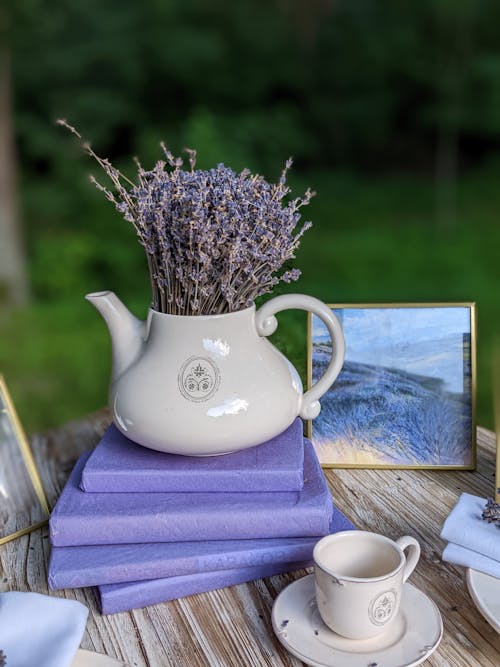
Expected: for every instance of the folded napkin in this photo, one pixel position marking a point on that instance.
(473, 542)
(465, 527)
(457, 555)
(38, 630)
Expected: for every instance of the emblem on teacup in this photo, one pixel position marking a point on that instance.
(198, 379)
(382, 607)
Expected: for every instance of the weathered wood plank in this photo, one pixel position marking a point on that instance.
(232, 627)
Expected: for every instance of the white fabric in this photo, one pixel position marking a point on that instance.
(40, 631)
(457, 555)
(473, 542)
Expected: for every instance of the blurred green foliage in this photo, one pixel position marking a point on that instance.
(392, 113)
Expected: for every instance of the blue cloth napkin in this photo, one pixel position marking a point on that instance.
(472, 542)
(38, 630)
(457, 555)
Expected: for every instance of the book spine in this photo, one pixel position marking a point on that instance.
(188, 526)
(266, 482)
(70, 570)
(123, 597)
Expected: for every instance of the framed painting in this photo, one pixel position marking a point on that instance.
(23, 505)
(405, 397)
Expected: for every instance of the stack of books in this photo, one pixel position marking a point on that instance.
(147, 527)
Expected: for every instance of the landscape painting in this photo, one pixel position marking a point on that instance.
(405, 395)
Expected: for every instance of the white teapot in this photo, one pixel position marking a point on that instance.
(205, 385)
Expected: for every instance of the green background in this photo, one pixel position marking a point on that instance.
(390, 109)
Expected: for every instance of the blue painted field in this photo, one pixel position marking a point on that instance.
(379, 415)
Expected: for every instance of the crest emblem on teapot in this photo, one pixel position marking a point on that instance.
(199, 379)
(209, 384)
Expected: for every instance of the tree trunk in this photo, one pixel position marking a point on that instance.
(446, 177)
(13, 272)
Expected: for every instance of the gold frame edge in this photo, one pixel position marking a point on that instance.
(29, 463)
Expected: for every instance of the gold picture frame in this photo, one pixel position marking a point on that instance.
(17, 452)
(496, 408)
(470, 464)
(497, 475)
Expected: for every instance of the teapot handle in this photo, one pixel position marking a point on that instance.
(266, 324)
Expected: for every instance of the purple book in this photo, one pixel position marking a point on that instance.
(76, 567)
(137, 594)
(81, 518)
(117, 464)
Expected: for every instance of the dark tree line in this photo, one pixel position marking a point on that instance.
(361, 85)
(364, 84)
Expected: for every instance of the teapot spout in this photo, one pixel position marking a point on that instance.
(126, 331)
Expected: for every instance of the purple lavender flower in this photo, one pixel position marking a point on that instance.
(214, 239)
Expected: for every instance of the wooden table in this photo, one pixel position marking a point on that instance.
(232, 627)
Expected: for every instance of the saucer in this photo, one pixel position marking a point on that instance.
(485, 591)
(91, 659)
(410, 639)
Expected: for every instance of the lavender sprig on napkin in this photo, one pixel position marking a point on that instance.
(472, 542)
(491, 512)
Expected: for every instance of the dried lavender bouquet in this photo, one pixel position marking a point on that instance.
(214, 239)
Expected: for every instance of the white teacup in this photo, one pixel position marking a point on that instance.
(358, 578)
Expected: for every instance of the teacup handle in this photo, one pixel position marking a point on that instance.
(266, 325)
(413, 547)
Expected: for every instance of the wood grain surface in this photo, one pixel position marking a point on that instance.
(232, 627)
